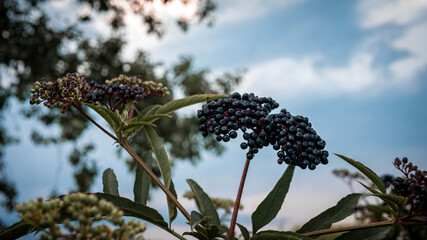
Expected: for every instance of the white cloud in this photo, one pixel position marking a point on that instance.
(245, 9)
(413, 42)
(374, 13)
(287, 78)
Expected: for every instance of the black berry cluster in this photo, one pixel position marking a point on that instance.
(73, 89)
(413, 186)
(296, 142)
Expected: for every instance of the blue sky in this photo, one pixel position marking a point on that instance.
(357, 69)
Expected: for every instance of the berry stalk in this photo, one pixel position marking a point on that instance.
(237, 202)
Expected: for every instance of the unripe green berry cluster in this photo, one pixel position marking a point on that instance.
(293, 137)
(82, 214)
(70, 89)
(413, 186)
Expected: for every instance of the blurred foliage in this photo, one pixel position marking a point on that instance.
(36, 47)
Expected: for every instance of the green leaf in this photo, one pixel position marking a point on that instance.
(154, 117)
(276, 235)
(134, 209)
(142, 183)
(148, 110)
(270, 206)
(396, 203)
(393, 208)
(375, 233)
(196, 235)
(205, 203)
(366, 171)
(109, 116)
(173, 211)
(109, 181)
(156, 145)
(187, 101)
(245, 232)
(344, 208)
(16, 231)
(195, 219)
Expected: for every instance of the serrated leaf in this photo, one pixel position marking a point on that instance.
(110, 183)
(270, 206)
(366, 171)
(244, 231)
(187, 101)
(141, 187)
(375, 233)
(344, 208)
(276, 235)
(110, 117)
(205, 203)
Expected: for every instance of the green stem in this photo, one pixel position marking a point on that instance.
(237, 202)
(343, 229)
(153, 176)
(93, 121)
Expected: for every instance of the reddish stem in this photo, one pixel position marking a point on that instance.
(237, 202)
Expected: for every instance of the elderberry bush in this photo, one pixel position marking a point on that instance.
(413, 186)
(293, 137)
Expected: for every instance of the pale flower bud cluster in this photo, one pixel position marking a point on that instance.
(81, 214)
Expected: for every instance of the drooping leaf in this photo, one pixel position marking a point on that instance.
(142, 183)
(393, 208)
(156, 145)
(173, 211)
(344, 208)
(366, 171)
(109, 116)
(134, 209)
(270, 206)
(396, 203)
(187, 101)
(206, 206)
(110, 183)
(244, 231)
(374, 233)
(276, 235)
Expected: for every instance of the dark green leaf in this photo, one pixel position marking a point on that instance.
(142, 183)
(196, 235)
(137, 124)
(396, 203)
(16, 231)
(270, 206)
(366, 171)
(154, 117)
(184, 102)
(344, 208)
(393, 208)
(245, 232)
(205, 203)
(110, 117)
(173, 211)
(375, 233)
(134, 209)
(276, 235)
(196, 218)
(109, 181)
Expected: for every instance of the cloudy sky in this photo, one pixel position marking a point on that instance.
(357, 69)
